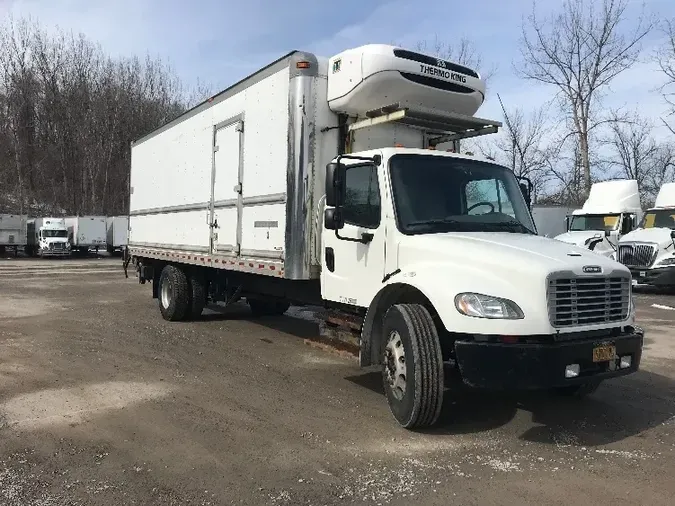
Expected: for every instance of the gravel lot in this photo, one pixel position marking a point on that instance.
(103, 402)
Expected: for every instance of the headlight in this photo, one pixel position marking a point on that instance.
(487, 306)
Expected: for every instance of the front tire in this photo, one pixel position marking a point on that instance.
(412, 369)
(174, 298)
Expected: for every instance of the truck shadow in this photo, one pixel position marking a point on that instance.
(619, 409)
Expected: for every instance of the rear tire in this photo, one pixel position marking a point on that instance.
(198, 289)
(267, 307)
(174, 293)
(412, 366)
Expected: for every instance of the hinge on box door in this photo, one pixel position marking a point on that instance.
(237, 249)
(215, 149)
(237, 188)
(239, 127)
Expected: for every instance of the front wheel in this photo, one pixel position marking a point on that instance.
(412, 368)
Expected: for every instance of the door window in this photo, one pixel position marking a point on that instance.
(362, 200)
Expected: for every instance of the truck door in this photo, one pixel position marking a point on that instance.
(351, 271)
(226, 198)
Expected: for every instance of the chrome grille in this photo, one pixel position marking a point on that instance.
(588, 300)
(56, 245)
(636, 255)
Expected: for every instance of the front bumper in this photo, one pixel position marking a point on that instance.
(500, 366)
(55, 252)
(661, 276)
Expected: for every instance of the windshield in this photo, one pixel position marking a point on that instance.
(602, 222)
(54, 233)
(443, 194)
(659, 218)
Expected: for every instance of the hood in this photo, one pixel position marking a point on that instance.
(660, 236)
(502, 251)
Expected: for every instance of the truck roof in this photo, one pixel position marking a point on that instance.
(666, 197)
(612, 197)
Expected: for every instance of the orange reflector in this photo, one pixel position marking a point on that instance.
(508, 339)
(397, 145)
(302, 65)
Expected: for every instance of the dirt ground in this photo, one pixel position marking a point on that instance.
(104, 403)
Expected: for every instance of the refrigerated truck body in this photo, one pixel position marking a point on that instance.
(86, 232)
(13, 232)
(329, 181)
(117, 232)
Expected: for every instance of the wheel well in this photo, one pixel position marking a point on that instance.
(371, 333)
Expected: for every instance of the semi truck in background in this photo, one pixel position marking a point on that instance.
(13, 232)
(611, 210)
(649, 251)
(322, 181)
(85, 232)
(117, 232)
(48, 237)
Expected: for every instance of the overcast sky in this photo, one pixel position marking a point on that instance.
(222, 41)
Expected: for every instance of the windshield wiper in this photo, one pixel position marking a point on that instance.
(512, 223)
(436, 221)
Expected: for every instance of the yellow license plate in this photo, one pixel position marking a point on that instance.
(604, 353)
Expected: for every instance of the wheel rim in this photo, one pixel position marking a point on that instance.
(394, 365)
(166, 293)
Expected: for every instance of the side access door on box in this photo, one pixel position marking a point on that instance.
(226, 187)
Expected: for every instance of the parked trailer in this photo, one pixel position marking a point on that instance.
(312, 182)
(13, 232)
(48, 237)
(86, 232)
(117, 232)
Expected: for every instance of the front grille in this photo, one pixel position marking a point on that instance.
(56, 245)
(588, 300)
(637, 255)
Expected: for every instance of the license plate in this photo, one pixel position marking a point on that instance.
(643, 274)
(604, 353)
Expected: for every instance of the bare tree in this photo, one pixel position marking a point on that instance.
(635, 154)
(666, 60)
(579, 51)
(463, 53)
(68, 113)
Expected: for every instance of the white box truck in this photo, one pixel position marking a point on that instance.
(48, 237)
(649, 251)
(13, 232)
(117, 232)
(313, 181)
(86, 232)
(611, 210)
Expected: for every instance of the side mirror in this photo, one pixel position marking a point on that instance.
(567, 223)
(333, 219)
(335, 184)
(525, 190)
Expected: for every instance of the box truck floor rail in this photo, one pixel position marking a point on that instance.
(338, 182)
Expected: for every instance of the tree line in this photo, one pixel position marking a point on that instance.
(68, 111)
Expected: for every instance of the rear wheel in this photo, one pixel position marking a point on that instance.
(412, 368)
(198, 289)
(174, 293)
(261, 307)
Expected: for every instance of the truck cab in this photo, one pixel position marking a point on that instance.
(611, 211)
(649, 251)
(48, 237)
